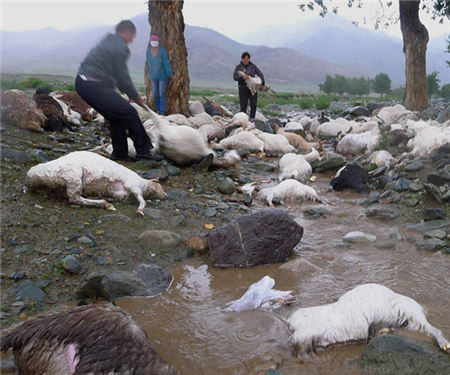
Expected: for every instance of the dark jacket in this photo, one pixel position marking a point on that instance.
(251, 70)
(108, 61)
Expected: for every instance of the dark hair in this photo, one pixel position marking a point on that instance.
(125, 25)
(245, 54)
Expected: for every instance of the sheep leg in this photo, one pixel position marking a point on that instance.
(73, 191)
(141, 200)
(413, 313)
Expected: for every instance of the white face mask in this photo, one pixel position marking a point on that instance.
(154, 43)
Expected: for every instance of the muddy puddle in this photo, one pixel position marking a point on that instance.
(189, 328)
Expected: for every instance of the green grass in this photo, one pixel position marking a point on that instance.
(34, 83)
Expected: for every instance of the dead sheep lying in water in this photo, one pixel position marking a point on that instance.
(356, 316)
(92, 339)
(86, 173)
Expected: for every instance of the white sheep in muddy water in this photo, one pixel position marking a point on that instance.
(288, 190)
(301, 144)
(86, 173)
(90, 339)
(395, 114)
(356, 316)
(296, 166)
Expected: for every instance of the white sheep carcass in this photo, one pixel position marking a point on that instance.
(429, 136)
(244, 140)
(275, 144)
(395, 114)
(381, 158)
(354, 144)
(86, 173)
(354, 317)
(288, 190)
(297, 141)
(253, 83)
(200, 120)
(185, 145)
(296, 166)
(331, 129)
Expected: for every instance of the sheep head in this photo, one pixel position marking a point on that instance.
(154, 189)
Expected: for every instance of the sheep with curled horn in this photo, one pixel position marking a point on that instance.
(91, 339)
(356, 316)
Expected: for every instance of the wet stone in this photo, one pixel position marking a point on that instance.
(120, 217)
(44, 284)
(22, 249)
(414, 166)
(432, 244)
(28, 290)
(359, 237)
(101, 260)
(210, 212)
(434, 213)
(402, 184)
(316, 211)
(72, 265)
(437, 233)
(177, 195)
(385, 245)
(37, 155)
(158, 173)
(226, 186)
(15, 156)
(382, 212)
(86, 241)
(439, 177)
(17, 276)
(372, 198)
(153, 213)
(264, 167)
(172, 170)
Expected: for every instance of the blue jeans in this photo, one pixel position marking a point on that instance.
(159, 95)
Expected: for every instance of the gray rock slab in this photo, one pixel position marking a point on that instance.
(393, 355)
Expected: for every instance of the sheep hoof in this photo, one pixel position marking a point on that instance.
(140, 212)
(385, 331)
(446, 348)
(110, 207)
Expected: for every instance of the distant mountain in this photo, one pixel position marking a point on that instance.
(337, 40)
(211, 56)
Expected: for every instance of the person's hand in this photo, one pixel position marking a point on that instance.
(245, 77)
(139, 101)
(261, 87)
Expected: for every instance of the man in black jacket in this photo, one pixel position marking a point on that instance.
(248, 69)
(104, 69)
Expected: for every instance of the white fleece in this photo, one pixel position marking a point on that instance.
(86, 173)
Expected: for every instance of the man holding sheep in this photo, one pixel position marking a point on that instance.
(242, 73)
(104, 69)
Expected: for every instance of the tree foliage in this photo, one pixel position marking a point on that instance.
(382, 83)
(445, 91)
(433, 83)
(340, 84)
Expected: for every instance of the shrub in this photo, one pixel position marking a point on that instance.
(322, 102)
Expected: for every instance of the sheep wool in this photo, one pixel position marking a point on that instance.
(288, 190)
(355, 315)
(90, 339)
(243, 140)
(86, 173)
(381, 158)
(428, 137)
(275, 144)
(294, 166)
(354, 144)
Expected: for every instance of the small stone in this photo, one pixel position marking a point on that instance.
(359, 237)
(72, 265)
(86, 241)
(197, 244)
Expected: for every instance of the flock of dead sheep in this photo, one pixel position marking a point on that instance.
(201, 138)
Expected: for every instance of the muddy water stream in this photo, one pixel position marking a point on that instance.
(189, 328)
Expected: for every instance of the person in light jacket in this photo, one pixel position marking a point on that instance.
(250, 70)
(160, 71)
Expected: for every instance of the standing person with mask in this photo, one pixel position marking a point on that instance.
(250, 70)
(160, 71)
(104, 69)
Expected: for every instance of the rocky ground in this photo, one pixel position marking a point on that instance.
(53, 245)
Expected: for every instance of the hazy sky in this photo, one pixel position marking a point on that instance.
(232, 17)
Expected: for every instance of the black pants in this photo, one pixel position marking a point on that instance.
(121, 115)
(244, 96)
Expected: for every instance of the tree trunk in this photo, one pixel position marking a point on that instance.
(415, 39)
(166, 20)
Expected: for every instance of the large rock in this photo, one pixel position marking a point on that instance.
(268, 236)
(331, 161)
(393, 355)
(145, 280)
